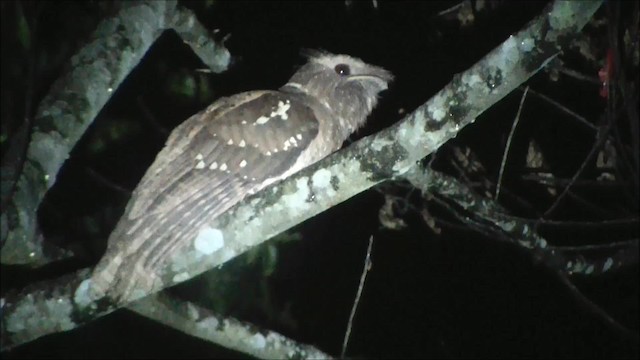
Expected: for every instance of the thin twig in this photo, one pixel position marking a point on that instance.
(596, 309)
(578, 75)
(151, 118)
(564, 109)
(508, 145)
(108, 183)
(363, 277)
(600, 138)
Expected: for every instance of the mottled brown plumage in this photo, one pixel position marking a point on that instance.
(235, 147)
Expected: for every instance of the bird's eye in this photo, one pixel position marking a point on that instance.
(342, 70)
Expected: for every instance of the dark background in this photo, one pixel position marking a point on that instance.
(457, 294)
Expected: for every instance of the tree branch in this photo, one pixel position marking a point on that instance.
(224, 331)
(73, 102)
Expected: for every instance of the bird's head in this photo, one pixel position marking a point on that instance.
(348, 86)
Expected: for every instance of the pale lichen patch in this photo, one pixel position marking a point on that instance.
(209, 323)
(436, 107)
(30, 317)
(193, 311)
(180, 277)
(527, 44)
(298, 199)
(258, 341)
(81, 295)
(321, 179)
(379, 143)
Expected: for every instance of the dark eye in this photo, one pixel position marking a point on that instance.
(342, 70)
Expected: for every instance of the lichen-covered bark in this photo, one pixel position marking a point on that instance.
(73, 102)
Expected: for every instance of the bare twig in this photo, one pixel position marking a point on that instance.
(594, 308)
(508, 144)
(563, 108)
(363, 277)
(600, 140)
(107, 182)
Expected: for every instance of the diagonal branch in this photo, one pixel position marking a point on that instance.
(228, 332)
(74, 100)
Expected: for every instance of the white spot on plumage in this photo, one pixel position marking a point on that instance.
(262, 120)
(209, 240)
(282, 110)
(200, 165)
(268, 153)
(243, 163)
(242, 143)
(299, 136)
(223, 167)
(230, 142)
(214, 165)
(199, 156)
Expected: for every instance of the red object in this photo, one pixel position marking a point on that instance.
(606, 74)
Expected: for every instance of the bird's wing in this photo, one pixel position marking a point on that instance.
(229, 149)
(209, 163)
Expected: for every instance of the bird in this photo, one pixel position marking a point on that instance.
(235, 147)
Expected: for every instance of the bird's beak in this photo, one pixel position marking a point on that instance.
(380, 82)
